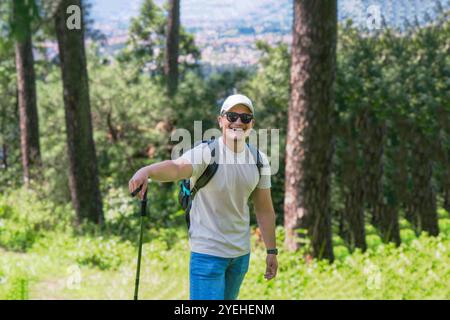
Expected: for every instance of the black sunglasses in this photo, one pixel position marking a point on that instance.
(233, 116)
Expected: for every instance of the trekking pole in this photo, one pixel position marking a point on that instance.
(143, 213)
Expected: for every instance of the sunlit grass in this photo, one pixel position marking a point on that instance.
(61, 264)
(416, 271)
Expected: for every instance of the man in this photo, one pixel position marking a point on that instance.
(219, 233)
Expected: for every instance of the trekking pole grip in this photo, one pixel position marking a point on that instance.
(144, 204)
(135, 192)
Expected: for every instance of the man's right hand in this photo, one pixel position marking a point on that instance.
(164, 171)
(138, 179)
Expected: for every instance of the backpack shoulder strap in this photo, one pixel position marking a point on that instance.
(257, 156)
(210, 170)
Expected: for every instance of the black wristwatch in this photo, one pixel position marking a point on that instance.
(272, 251)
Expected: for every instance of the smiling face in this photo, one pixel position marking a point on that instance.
(236, 130)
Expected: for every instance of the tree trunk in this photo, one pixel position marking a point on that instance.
(446, 185)
(402, 159)
(352, 224)
(26, 85)
(384, 213)
(172, 47)
(397, 194)
(423, 199)
(309, 147)
(389, 226)
(444, 155)
(446, 179)
(83, 173)
(400, 162)
(4, 156)
(374, 137)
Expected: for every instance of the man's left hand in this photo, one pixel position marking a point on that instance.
(271, 266)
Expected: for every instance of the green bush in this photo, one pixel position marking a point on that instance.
(102, 253)
(373, 241)
(24, 218)
(442, 213)
(14, 281)
(340, 252)
(120, 212)
(407, 236)
(418, 270)
(18, 289)
(444, 226)
(17, 237)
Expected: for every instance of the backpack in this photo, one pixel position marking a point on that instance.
(186, 194)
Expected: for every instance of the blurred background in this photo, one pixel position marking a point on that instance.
(90, 91)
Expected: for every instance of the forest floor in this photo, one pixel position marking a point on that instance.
(63, 266)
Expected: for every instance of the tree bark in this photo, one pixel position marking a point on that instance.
(83, 173)
(352, 223)
(310, 144)
(172, 47)
(400, 161)
(26, 85)
(384, 213)
(4, 156)
(446, 186)
(443, 152)
(423, 214)
(446, 178)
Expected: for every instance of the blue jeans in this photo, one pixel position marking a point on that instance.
(216, 278)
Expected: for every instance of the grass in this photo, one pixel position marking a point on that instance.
(58, 274)
(58, 263)
(419, 270)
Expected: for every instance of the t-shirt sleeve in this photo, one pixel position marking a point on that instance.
(199, 157)
(264, 180)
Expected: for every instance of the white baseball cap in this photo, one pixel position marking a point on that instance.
(235, 99)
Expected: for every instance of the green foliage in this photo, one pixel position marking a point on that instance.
(24, 218)
(122, 214)
(15, 237)
(54, 184)
(25, 14)
(269, 89)
(418, 270)
(125, 116)
(15, 287)
(270, 86)
(102, 253)
(444, 225)
(15, 277)
(146, 46)
(415, 271)
(395, 76)
(18, 289)
(9, 118)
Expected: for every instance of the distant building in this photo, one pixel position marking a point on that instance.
(225, 31)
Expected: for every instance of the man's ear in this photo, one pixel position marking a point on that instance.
(218, 120)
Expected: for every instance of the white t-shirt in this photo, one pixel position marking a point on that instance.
(220, 219)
